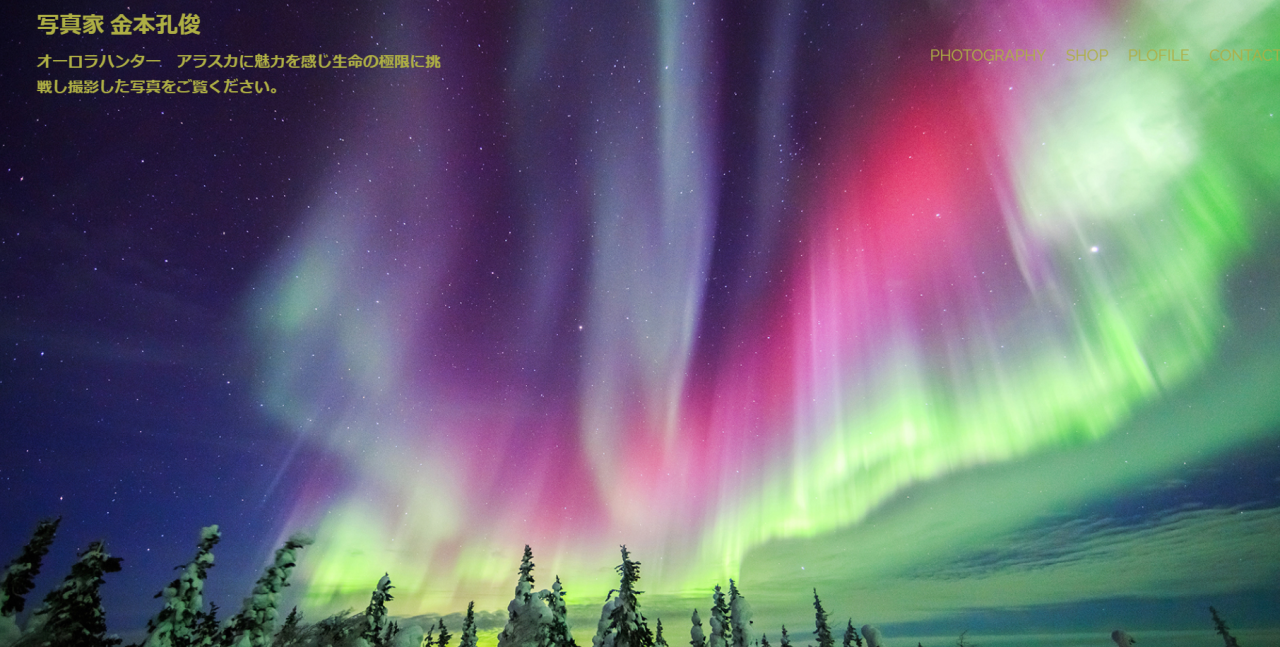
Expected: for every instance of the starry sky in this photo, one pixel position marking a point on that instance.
(757, 289)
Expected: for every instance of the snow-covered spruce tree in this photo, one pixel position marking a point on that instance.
(528, 617)
(739, 617)
(822, 630)
(468, 638)
(377, 632)
(255, 623)
(9, 631)
(1221, 628)
(696, 637)
(175, 625)
(524, 589)
(721, 630)
(786, 640)
(558, 633)
(621, 623)
(764, 640)
(1119, 636)
(630, 626)
(20, 574)
(18, 578)
(73, 612)
(604, 633)
(872, 635)
(533, 626)
(851, 636)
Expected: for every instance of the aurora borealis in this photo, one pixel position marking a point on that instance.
(758, 290)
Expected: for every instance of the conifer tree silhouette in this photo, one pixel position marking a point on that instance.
(445, 636)
(468, 638)
(822, 629)
(1221, 628)
(74, 609)
(290, 632)
(20, 574)
(851, 636)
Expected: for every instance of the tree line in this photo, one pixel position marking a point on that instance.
(72, 613)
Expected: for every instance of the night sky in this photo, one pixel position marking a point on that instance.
(757, 289)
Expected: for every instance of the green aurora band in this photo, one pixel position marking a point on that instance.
(1128, 194)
